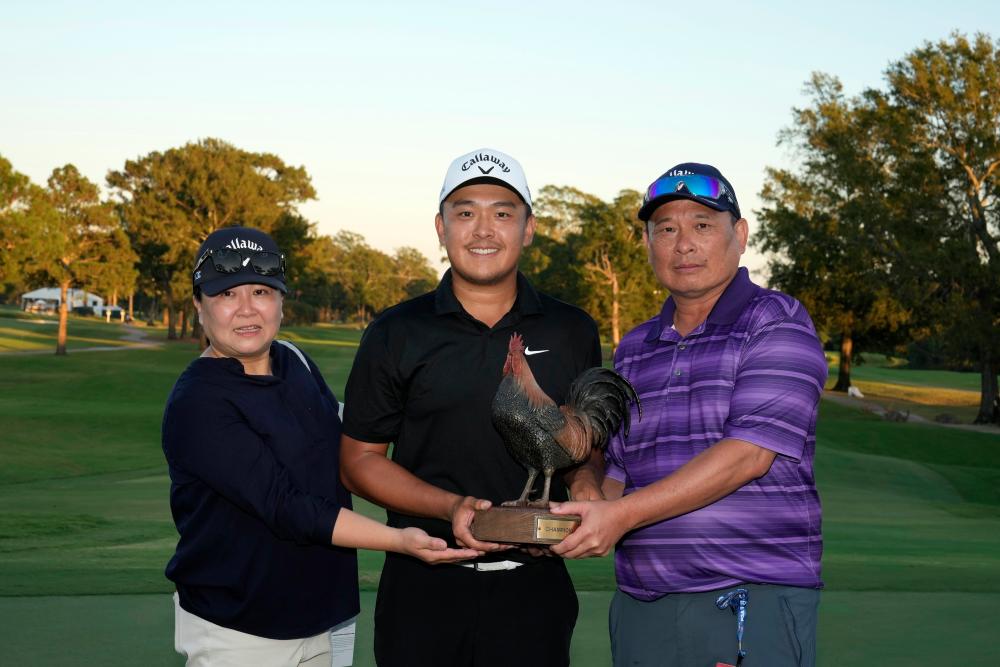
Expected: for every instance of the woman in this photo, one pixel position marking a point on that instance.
(265, 567)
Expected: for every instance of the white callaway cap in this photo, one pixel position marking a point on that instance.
(486, 166)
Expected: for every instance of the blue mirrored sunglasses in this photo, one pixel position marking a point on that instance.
(699, 186)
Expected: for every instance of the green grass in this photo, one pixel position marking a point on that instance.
(879, 368)
(853, 630)
(922, 393)
(911, 520)
(21, 332)
(85, 413)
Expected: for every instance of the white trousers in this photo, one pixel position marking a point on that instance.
(206, 644)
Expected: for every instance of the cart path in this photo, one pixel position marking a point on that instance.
(876, 408)
(136, 338)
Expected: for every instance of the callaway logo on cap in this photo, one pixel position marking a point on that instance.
(243, 244)
(486, 165)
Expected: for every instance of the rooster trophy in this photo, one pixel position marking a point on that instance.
(543, 436)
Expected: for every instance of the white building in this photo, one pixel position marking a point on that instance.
(47, 298)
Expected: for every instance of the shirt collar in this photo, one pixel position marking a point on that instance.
(526, 303)
(734, 299)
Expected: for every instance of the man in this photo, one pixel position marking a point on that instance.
(713, 490)
(424, 379)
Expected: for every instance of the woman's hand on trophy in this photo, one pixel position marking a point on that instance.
(601, 527)
(415, 542)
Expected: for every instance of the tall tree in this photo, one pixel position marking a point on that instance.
(589, 252)
(363, 272)
(550, 261)
(947, 95)
(19, 203)
(828, 225)
(622, 290)
(113, 274)
(313, 293)
(170, 202)
(80, 242)
(910, 174)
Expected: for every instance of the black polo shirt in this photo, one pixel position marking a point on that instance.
(424, 379)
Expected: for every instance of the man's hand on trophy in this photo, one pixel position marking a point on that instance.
(603, 524)
(462, 513)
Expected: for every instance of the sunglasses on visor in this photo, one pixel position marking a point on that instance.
(227, 260)
(699, 186)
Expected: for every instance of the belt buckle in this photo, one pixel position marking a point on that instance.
(494, 566)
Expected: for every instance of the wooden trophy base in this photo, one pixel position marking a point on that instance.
(522, 525)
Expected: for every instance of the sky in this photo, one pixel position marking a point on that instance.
(376, 98)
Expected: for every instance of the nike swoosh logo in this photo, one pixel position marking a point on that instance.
(246, 261)
(528, 351)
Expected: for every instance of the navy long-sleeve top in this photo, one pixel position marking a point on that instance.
(255, 492)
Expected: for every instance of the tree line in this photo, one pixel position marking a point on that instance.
(141, 239)
(886, 225)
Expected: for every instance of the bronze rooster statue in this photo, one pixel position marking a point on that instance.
(541, 435)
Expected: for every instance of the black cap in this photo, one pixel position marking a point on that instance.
(245, 241)
(654, 197)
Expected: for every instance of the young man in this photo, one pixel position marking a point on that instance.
(713, 491)
(423, 380)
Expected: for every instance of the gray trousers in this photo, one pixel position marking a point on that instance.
(688, 630)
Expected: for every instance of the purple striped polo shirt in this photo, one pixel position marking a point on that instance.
(754, 370)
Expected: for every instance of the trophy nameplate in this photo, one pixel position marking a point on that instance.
(522, 525)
